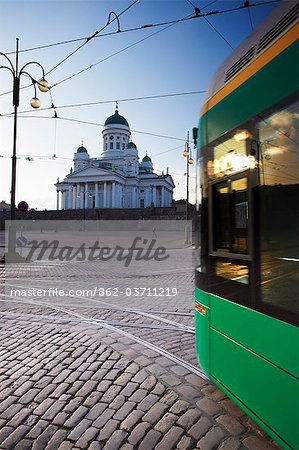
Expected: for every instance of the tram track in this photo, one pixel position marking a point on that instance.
(115, 328)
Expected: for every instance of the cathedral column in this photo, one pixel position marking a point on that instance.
(73, 196)
(57, 201)
(113, 195)
(162, 196)
(105, 195)
(78, 196)
(70, 198)
(86, 196)
(96, 190)
(155, 196)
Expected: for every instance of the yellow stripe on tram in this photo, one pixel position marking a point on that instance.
(278, 47)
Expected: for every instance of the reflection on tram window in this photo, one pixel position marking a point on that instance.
(231, 157)
(279, 137)
(279, 208)
(232, 271)
(231, 216)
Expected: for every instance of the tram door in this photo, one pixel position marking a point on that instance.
(229, 249)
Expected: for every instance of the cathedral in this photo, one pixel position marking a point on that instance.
(116, 179)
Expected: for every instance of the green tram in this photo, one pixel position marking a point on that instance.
(247, 281)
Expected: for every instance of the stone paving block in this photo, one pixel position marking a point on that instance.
(11, 411)
(159, 389)
(209, 406)
(20, 417)
(150, 440)
(149, 382)
(189, 418)
(213, 392)
(140, 376)
(138, 433)
(8, 402)
(124, 411)
(104, 385)
(53, 410)
(76, 417)
(111, 393)
(92, 399)
(212, 439)
(96, 411)
(230, 444)
(155, 413)
(14, 437)
(95, 446)
(148, 402)
(60, 419)
(87, 437)
(170, 439)
(25, 386)
(103, 418)
(117, 402)
(232, 408)
(188, 391)
(138, 395)
(179, 407)
(24, 444)
(107, 430)
(185, 443)
(131, 420)
(232, 425)
(166, 422)
(43, 407)
(77, 431)
(169, 398)
(254, 443)
(5, 432)
(73, 404)
(38, 428)
(116, 440)
(200, 428)
(58, 438)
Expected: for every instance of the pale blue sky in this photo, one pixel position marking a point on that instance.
(182, 58)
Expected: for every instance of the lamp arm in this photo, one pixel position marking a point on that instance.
(10, 63)
(8, 68)
(33, 62)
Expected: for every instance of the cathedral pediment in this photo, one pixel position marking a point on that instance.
(88, 172)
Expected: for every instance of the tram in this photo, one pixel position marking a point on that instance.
(247, 249)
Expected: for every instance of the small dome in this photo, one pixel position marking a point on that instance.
(116, 119)
(82, 150)
(131, 145)
(146, 159)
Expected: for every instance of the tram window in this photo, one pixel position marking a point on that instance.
(279, 209)
(230, 216)
(232, 271)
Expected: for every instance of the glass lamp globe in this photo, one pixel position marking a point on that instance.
(190, 161)
(43, 85)
(35, 103)
(185, 153)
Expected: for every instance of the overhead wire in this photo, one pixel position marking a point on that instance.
(92, 37)
(102, 102)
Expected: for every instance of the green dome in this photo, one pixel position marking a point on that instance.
(146, 159)
(82, 150)
(131, 145)
(116, 119)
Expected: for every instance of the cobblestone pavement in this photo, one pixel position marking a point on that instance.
(69, 382)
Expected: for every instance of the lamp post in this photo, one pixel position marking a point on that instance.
(35, 103)
(189, 160)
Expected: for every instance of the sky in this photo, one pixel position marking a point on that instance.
(181, 58)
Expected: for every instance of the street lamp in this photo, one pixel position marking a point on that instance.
(189, 161)
(43, 86)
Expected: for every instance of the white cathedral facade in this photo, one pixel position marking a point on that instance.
(116, 179)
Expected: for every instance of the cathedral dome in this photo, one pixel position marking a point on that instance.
(116, 119)
(146, 159)
(82, 150)
(131, 145)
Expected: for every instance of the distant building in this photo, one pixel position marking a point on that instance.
(116, 179)
(4, 206)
